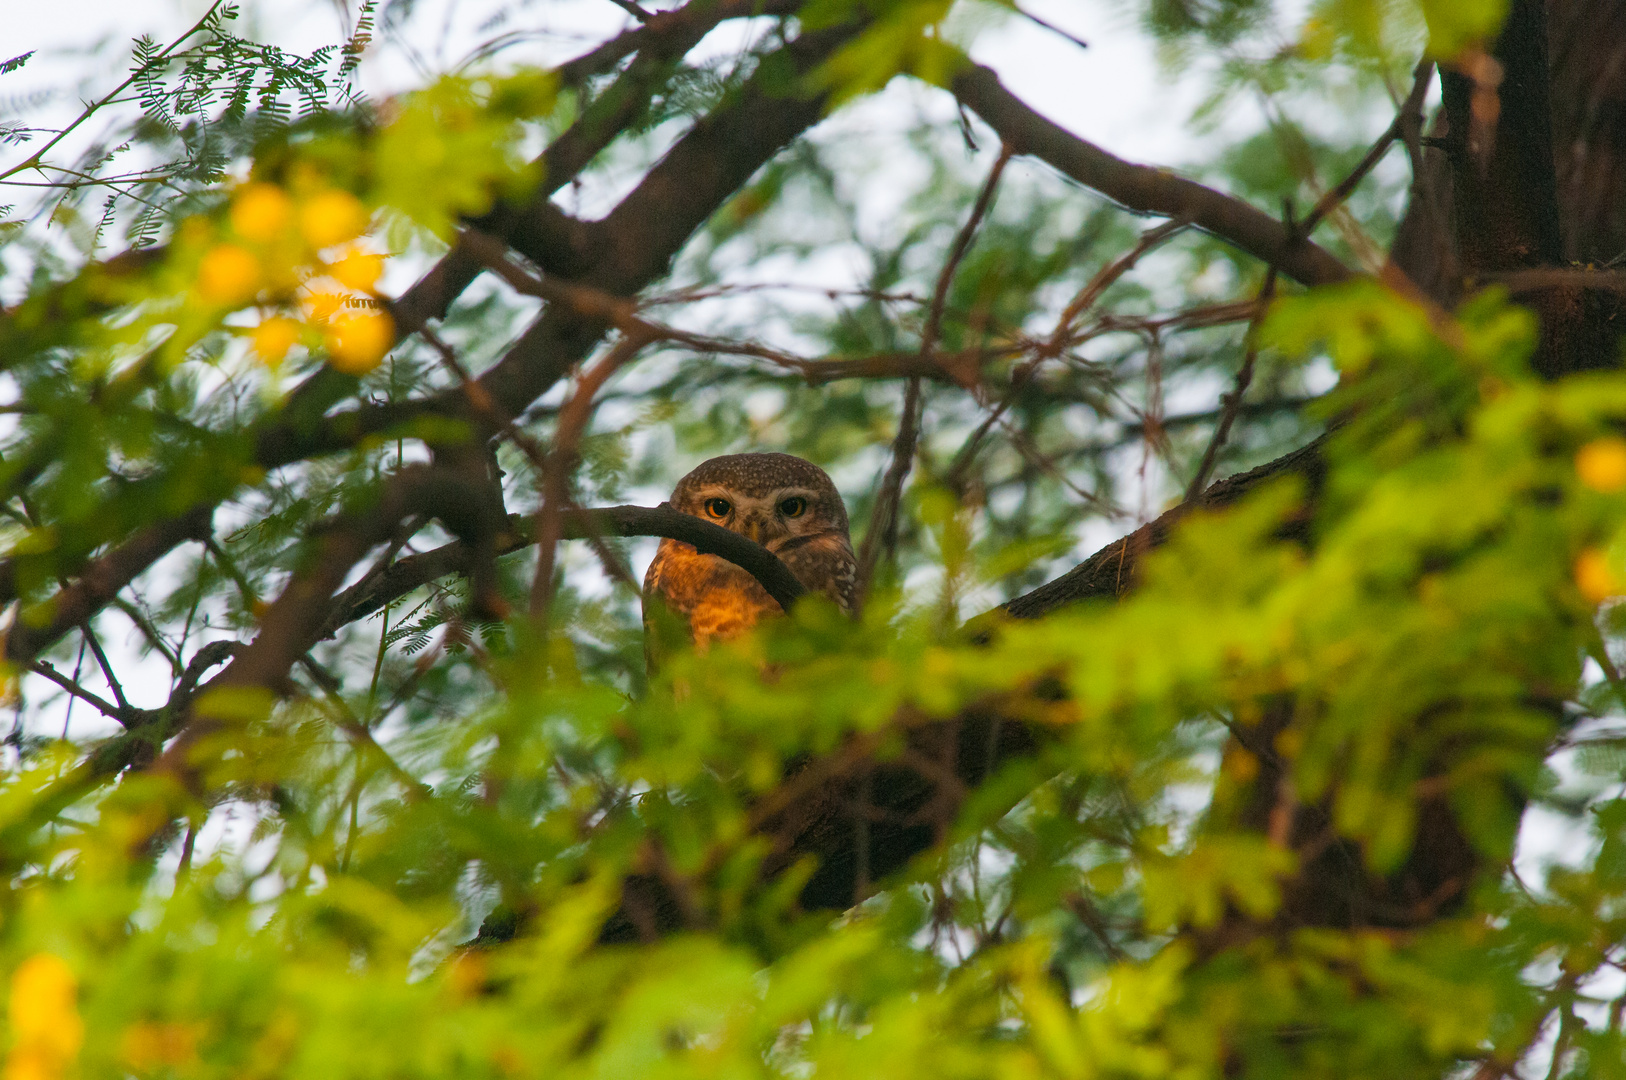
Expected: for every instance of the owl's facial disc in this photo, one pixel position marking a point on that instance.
(768, 518)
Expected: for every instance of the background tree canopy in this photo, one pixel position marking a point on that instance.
(327, 404)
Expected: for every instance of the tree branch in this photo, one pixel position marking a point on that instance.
(1233, 400)
(1144, 189)
(292, 623)
(620, 255)
(882, 534)
(1109, 572)
(405, 575)
(1408, 117)
(100, 581)
(121, 713)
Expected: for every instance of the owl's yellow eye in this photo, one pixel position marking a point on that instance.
(794, 506)
(718, 508)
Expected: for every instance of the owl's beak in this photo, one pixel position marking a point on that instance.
(753, 529)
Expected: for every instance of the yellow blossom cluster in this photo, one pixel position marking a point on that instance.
(1595, 576)
(46, 1030)
(282, 242)
(1601, 466)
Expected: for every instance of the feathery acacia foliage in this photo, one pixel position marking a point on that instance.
(379, 785)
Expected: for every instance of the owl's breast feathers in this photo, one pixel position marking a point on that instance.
(823, 562)
(721, 601)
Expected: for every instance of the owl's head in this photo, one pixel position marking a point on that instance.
(772, 498)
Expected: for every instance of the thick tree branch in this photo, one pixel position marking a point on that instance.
(294, 620)
(1111, 571)
(1144, 189)
(1505, 193)
(38, 628)
(414, 571)
(1501, 146)
(620, 254)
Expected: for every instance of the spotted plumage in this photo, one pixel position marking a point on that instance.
(787, 505)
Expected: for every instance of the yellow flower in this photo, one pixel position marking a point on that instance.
(42, 995)
(261, 212)
(46, 1029)
(356, 342)
(359, 270)
(274, 337)
(1594, 576)
(28, 1064)
(332, 217)
(228, 275)
(1601, 464)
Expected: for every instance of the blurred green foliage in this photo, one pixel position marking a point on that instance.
(1432, 625)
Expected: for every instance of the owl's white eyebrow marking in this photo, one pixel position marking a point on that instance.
(722, 491)
(716, 491)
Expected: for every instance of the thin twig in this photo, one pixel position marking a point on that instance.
(349, 723)
(1050, 26)
(1059, 339)
(149, 631)
(1410, 111)
(574, 418)
(1084, 909)
(883, 521)
(623, 314)
(100, 704)
(107, 668)
(250, 595)
(962, 244)
(34, 160)
(614, 565)
(1030, 453)
(1233, 400)
(1108, 276)
(695, 294)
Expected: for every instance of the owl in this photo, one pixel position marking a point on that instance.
(787, 505)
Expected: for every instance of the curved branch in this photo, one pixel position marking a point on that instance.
(1144, 189)
(1111, 571)
(404, 575)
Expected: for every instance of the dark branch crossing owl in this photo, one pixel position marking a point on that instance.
(787, 505)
